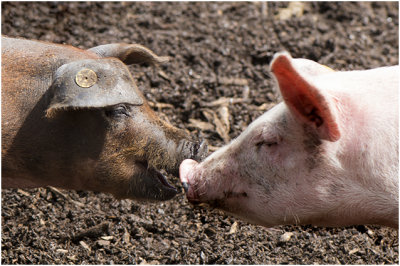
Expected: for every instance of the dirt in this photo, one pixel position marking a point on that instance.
(218, 49)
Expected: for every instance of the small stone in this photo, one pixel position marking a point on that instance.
(103, 243)
(60, 250)
(286, 237)
(354, 250)
(233, 228)
(126, 237)
(107, 237)
(153, 262)
(203, 256)
(84, 245)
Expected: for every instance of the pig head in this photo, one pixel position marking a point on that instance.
(74, 119)
(327, 155)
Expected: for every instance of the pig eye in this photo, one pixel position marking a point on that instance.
(118, 111)
(268, 144)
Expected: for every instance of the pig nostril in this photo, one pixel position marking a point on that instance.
(185, 186)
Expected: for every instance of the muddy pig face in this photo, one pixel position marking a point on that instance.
(316, 158)
(107, 137)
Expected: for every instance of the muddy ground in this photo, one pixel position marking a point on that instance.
(218, 50)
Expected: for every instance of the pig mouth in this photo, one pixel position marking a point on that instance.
(228, 201)
(195, 196)
(162, 189)
(163, 180)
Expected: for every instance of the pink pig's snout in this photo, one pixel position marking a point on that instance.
(186, 173)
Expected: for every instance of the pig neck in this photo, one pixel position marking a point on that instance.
(369, 163)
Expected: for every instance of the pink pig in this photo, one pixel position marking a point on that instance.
(327, 155)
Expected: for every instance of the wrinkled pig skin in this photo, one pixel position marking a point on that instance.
(95, 134)
(327, 155)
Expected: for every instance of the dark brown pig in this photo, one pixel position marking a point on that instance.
(74, 119)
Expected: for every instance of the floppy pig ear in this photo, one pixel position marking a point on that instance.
(129, 53)
(304, 100)
(92, 83)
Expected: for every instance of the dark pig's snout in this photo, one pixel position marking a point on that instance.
(194, 150)
(199, 151)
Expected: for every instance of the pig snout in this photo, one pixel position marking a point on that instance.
(186, 171)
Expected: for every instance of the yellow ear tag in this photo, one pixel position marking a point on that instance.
(86, 78)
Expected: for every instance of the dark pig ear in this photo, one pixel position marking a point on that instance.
(129, 53)
(92, 83)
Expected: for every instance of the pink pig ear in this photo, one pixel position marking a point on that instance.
(305, 100)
